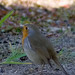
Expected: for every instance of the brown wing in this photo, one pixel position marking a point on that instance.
(39, 47)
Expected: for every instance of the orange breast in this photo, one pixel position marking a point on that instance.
(25, 34)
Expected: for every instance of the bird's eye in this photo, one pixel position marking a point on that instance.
(26, 28)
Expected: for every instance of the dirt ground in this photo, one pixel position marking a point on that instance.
(67, 59)
(64, 46)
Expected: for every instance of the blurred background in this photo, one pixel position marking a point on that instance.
(55, 19)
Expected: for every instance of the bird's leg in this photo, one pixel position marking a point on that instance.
(49, 62)
(50, 65)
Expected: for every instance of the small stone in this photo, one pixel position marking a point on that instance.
(56, 69)
(39, 11)
(49, 20)
(2, 70)
(17, 42)
(5, 41)
(73, 33)
(0, 42)
(32, 13)
(23, 58)
(1, 38)
(6, 46)
(13, 44)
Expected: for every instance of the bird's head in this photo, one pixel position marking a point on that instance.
(29, 29)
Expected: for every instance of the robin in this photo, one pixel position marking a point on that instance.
(37, 47)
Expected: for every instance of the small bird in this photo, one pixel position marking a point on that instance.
(37, 47)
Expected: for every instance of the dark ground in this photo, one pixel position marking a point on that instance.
(67, 43)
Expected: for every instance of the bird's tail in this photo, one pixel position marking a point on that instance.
(58, 63)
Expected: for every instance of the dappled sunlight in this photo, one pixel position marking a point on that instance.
(56, 21)
(48, 4)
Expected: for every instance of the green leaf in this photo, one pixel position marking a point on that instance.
(12, 62)
(16, 54)
(18, 29)
(61, 52)
(5, 17)
(14, 57)
(72, 54)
